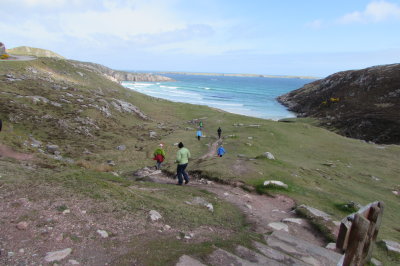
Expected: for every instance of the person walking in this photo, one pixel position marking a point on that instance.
(159, 156)
(221, 151)
(182, 158)
(219, 132)
(201, 124)
(199, 134)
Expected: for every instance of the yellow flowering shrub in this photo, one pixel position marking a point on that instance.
(4, 56)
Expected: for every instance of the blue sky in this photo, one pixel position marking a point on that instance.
(291, 37)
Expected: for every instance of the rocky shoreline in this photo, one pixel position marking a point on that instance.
(360, 104)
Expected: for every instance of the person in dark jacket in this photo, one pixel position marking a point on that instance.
(219, 132)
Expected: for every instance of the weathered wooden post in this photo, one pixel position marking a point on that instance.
(357, 234)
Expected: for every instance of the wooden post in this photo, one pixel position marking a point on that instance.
(376, 219)
(357, 238)
(343, 236)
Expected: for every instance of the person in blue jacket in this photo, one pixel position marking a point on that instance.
(221, 151)
(199, 134)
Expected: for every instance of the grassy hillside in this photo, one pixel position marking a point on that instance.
(83, 113)
(38, 52)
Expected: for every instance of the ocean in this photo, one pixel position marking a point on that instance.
(251, 96)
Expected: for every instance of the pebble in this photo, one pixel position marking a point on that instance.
(57, 255)
(102, 233)
(73, 262)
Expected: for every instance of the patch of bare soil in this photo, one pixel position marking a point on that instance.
(41, 219)
(6, 151)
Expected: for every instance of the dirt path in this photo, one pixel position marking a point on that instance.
(8, 152)
(260, 210)
(212, 151)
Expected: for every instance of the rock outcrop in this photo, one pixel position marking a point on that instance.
(361, 104)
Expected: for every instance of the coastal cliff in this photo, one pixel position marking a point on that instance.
(111, 74)
(361, 104)
(117, 75)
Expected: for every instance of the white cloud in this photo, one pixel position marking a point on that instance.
(120, 22)
(376, 11)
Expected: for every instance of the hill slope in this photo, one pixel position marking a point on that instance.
(105, 133)
(361, 104)
(38, 52)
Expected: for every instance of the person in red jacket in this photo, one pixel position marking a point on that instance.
(159, 156)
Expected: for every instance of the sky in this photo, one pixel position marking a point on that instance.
(288, 37)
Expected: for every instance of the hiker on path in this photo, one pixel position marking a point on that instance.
(201, 124)
(199, 134)
(182, 158)
(219, 132)
(159, 156)
(221, 151)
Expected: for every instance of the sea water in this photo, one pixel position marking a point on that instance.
(251, 96)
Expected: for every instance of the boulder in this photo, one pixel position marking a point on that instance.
(269, 155)
(121, 147)
(275, 183)
(152, 134)
(392, 246)
(52, 149)
(154, 215)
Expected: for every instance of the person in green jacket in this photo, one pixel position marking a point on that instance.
(182, 158)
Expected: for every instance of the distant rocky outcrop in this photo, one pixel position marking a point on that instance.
(120, 75)
(38, 52)
(361, 104)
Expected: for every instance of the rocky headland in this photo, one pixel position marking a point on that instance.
(121, 75)
(362, 104)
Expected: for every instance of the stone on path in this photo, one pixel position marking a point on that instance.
(271, 183)
(253, 257)
(210, 207)
(276, 255)
(73, 262)
(221, 257)
(392, 246)
(331, 246)
(22, 225)
(185, 260)
(279, 226)
(102, 233)
(57, 255)
(154, 215)
(301, 249)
